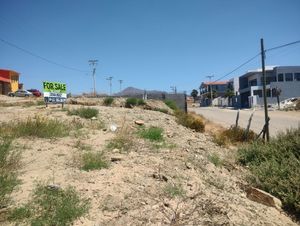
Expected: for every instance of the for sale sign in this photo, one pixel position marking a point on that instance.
(55, 92)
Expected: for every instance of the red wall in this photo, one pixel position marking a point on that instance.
(4, 76)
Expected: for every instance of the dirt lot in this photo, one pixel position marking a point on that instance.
(133, 190)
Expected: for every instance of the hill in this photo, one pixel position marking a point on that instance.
(137, 175)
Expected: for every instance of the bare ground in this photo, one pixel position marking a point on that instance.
(133, 191)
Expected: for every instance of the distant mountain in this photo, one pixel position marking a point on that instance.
(131, 91)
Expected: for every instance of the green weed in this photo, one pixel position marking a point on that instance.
(171, 104)
(108, 101)
(152, 133)
(34, 127)
(173, 190)
(275, 167)
(82, 112)
(9, 163)
(93, 161)
(51, 207)
(215, 159)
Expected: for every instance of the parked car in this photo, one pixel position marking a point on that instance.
(35, 92)
(20, 93)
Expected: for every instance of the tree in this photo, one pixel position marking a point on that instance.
(194, 94)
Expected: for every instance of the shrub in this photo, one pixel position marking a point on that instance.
(174, 190)
(275, 167)
(161, 110)
(171, 104)
(215, 159)
(35, 127)
(152, 133)
(234, 135)
(9, 162)
(108, 101)
(82, 112)
(93, 161)
(141, 102)
(51, 207)
(190, 121)
(131, 102)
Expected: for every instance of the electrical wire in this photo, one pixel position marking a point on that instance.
(243, 64)
(40, 57)
(282, 46)
(252, 58)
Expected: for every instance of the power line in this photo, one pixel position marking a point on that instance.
(252, 58)
(243, 64)
(40, 57)
(282, 46)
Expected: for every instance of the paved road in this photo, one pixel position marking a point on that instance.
(280, 120)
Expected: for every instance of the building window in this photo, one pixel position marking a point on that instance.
(271, 79)
(288, 77)
(280, 77)
(253, 82)
(257, 93)
(297, 76)
(268, 93)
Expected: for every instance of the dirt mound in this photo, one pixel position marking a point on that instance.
(184, 180)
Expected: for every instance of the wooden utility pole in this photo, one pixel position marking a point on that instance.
(211, 92)
(264, 89)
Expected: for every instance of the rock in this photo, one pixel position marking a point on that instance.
(116, 158)
(263, 197)
(93, 118)
(53, 187)
(139, 122)
(160, 177)
(188, 165)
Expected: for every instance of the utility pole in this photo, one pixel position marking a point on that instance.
(93, 63)
(211, 93)
(266, 131)
(120, 81)
(109, 79)
(174, 89)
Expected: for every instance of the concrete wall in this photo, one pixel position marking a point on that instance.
(288, 89)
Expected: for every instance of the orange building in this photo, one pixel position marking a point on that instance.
(9, 81)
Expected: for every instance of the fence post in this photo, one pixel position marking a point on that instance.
(237, 119)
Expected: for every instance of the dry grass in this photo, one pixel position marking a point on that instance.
(123, 141)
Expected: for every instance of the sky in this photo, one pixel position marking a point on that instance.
(149, 44)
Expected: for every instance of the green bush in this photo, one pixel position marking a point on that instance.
(161, 110)
(9, 162)
(93, 161)
(51, 207)
(152, 133)
(171, 104)
(35, 127)
(275, 167)
(82, 112)
(190, 121)
(141, 102)
(108, 101)
(131, 102)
